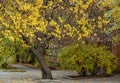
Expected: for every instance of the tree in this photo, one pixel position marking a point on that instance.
(114, 15)
(36, 22)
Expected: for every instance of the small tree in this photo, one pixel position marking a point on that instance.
(36, 22)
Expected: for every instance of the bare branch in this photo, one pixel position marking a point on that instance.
(40, 34)
(25, 39)
(45, 2)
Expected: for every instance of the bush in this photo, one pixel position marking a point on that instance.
(87, 58)
(6, 60)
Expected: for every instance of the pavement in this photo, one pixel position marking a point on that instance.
(31, 75)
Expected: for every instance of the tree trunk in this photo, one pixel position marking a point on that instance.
(39, 51)
(46, 72)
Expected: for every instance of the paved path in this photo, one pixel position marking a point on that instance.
(32, 75)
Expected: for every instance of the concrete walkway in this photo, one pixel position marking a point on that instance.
(32, 75)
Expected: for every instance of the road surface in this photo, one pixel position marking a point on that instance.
(32, 75)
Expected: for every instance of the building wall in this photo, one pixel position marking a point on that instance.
(116, 51)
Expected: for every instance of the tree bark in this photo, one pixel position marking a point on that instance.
(40, 52)
(45, 2)
(46, 72)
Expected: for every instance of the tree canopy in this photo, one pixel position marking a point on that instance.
(58, 18)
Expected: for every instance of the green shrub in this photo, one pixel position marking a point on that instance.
(9, 50)
(87, 58)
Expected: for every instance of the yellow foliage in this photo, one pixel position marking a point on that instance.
(27, 18)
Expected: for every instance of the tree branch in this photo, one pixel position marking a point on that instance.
(45, 2)
(48, 38)
(40, 34)
(25, 39)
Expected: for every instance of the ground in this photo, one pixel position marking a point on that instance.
(32, 75)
